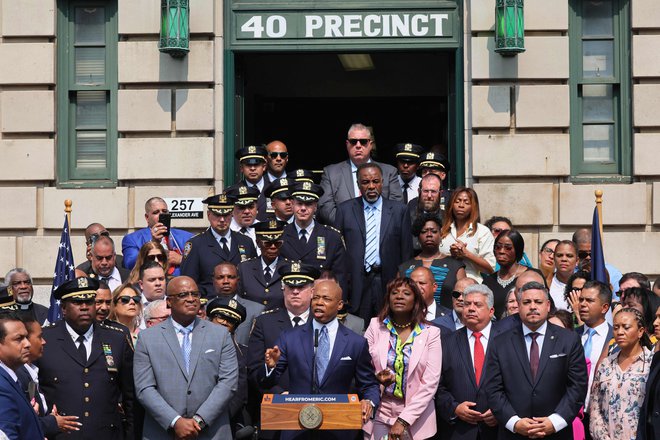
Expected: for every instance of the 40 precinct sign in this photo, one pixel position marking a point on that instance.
(438, 28)
(185, 207)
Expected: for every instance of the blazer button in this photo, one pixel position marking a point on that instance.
(189, 392)
(266, 290)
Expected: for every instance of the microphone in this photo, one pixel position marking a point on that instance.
(315, 389)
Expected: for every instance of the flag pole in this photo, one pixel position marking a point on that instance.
(599, 205)
(67, 209)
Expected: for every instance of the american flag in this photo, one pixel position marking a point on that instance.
(65, 270)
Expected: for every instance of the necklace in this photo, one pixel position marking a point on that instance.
(407, 324)
(502, 282)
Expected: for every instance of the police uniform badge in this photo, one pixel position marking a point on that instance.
(272, 224)
(307, 186)
(82, 283)
(300, 173)
(109, 359)
(222, 198)
(430, 156)
(233, 304)
(295, 267)
(186, 249)
(242, 190)
(407, 147)
(242, 252)
(320, 248)
(284, 181)
(252, 149)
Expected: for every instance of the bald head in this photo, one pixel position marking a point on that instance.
(328, 287)
(582, 235)
(463, 284)
(326, 301)
(181, 284)
(423, 277)
(526, 277)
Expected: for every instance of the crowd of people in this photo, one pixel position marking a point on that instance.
(379, 281)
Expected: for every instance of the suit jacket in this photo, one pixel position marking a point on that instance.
(265, 332)
(252, 284)
(203, 252)
(131, 244)
(91, 390)
(350, 361)
(649, 414)
(458, 384)
(337, 184)
(422, 378)
(324, 249)
(354, 323)
(47, 422)
(560, 386)
(39, 312)
(444, 317)
(123, 273)
(166, 390)
(395, 243)
(18, 420)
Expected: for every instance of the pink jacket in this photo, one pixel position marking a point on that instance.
(423, 376)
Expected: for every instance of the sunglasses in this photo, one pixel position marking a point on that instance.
(156, 257)
(584, 254)
(185, 295)
(282, 154)
(269, 244)
(361, 141)
(456, 294)
(127, 299)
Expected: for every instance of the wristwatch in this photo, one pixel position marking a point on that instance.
(200, 421)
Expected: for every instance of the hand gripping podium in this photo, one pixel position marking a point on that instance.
(310, 411)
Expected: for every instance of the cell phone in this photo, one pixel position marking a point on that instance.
(166, 219)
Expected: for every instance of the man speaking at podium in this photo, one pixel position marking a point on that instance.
(336, 358)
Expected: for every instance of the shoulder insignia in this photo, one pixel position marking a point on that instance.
(49, 325)
(186, 249)
(266, 312)
(334, 229)
(112, 328)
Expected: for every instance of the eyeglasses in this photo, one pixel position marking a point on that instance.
(157, 318)
(270, 244)
(547, 250)
(185, 295)
(499, 230)
(127, 299)
(282, 154)
(456, 294)
(361, 141)
(584, 254)
(505, 246)
(156, 257)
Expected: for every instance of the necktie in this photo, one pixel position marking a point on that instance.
(81, 348)
(405, 192)
(589, 342)
(478, 356)
(370, 249)
(104, 280)
(322, 354)
(534, 355)
(223, 243)
(303, 236)
(244, 230)
(185, 347)
(267, 275)
(296, 321)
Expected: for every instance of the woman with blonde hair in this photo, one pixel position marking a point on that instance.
(126, 308)
(149, 251)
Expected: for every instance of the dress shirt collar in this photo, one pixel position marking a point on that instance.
(259, 184)
(457, 321)
(178, 327)
(355, 167)
(601, 329)
(309, 229)
(541, 330)
(9, 371)
(88, 334)
(431, 311)
(304, 315)
(218, 236)
(332, 326)
(272, 265)
(485, 332)
(273, 178)
(378, 204)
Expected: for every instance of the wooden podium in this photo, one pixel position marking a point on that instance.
(310, 411)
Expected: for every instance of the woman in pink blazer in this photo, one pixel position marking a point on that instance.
(406, 353)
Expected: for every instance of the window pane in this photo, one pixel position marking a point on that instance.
(91, 110)
(598, 143)
(90, 26)
(90, 65)
(598, 59)
(90, 149)
(597, 103)
(597, 18)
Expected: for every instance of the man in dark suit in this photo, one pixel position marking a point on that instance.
(19, 284)
(339, 181)
(535, 375)
(423, 277)
(217, 244)
(87, 368)
(649, 415)
(342, 357)
(297, 283)
(461, 402)
(454, 319)
(104, 264)
(378, 238)
(308, 241)
(258, 278)
(225, 284)
(252, 161)
(18, 421)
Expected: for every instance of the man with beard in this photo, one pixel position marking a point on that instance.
(427, 203)
(19, 284)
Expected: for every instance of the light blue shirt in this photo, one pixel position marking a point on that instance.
(378, 205)
(218, 237)
(309, 229)
(557, 421)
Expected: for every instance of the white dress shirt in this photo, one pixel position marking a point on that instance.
(308, 230)
(250, 232)
(33, 371)
(303, 317)
(485, 337)
(480, 243)
(557, 289)
(89, 334)
(431, 310)
(598, 341)
(114, 280)
(9, 371)
(413, 186)
(271, 266)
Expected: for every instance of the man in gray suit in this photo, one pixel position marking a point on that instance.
(225, 283)
(185, 371)
(339, 181)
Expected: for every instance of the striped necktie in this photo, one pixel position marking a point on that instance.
(370, 249)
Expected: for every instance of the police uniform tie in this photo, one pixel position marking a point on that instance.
(322, 354)
(81, 348)
(303, 236)
(267, 275)
(105, 280)
(534, 355)
(406, 185)
(185, 347)
(297, 321)
(244, 230)
(223, 243)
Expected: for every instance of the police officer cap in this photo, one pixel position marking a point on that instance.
(302, 175)
(228, 308)
(409, 152)
(7, 302)
(435, 161)
(83, 288)
(279, 189)
(221, 204)
(252, 155)
(295, 273)
(244, 195)
(270, 230)
(307, 192)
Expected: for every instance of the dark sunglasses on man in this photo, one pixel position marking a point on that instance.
(282, 154)
(361, 141)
